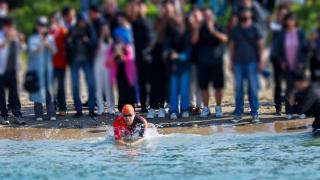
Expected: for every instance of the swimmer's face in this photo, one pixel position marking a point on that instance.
(129, 118)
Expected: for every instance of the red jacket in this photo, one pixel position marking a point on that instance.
(60, 58)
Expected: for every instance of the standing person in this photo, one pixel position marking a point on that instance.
(315, 53)
(159, 75)
(259, 16)
(59, 32)
(195, 21)
(246, 54)
(124, 69)
(177, 53)
(69, 17)
(210, 62)
(276, 28)
(96, 20)
(292, 52)
(142, 38)
(10, 47)
(110, 10)
(81, 46)
(102, 72)
(42, 47)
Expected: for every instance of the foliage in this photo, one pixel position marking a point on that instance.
(307, 14)
(26, 14)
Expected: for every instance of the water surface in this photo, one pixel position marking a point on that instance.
(227, 155)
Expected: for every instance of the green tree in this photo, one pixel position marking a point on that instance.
(27, 11)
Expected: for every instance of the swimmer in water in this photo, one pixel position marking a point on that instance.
(129, 128)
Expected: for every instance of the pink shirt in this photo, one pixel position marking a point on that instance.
(292, 47)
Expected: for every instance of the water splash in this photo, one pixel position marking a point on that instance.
(151, 132)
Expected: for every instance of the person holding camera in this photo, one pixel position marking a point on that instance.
(81, 46)
(42, 47)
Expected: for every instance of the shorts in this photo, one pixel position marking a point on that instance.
(210, 73)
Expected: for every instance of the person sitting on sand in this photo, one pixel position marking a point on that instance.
(129, 129)
(305, 99)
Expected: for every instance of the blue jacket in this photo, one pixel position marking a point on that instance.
(41, 62)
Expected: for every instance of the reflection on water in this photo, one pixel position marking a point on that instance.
(291, 154)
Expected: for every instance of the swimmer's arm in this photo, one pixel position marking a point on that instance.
(122, 142)
(131, 143)
(138, 141)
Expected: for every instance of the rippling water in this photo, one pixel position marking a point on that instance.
(175, 156)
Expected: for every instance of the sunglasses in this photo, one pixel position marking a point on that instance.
(127, 115)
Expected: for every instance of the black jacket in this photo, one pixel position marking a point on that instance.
(76, 35)
(281, 51)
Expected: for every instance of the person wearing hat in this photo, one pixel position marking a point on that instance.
(41, 48)
(129, 128)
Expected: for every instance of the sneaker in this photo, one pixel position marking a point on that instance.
(302, 116)
(278, 113)
(173, 116)
(17, 114)
(39, 119)
(100, 112)
(151, 114)
(62, 113)
(236, 119)
(219, 113)
(144, 110)
(185, 114)
(162, 113)
(53, 118)
(205, 112)
(255, 119)
(17, 120)
(93, 115)
(289, 116)
(111, 111)
(195, 110)
(77, 115)
(5, 120)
